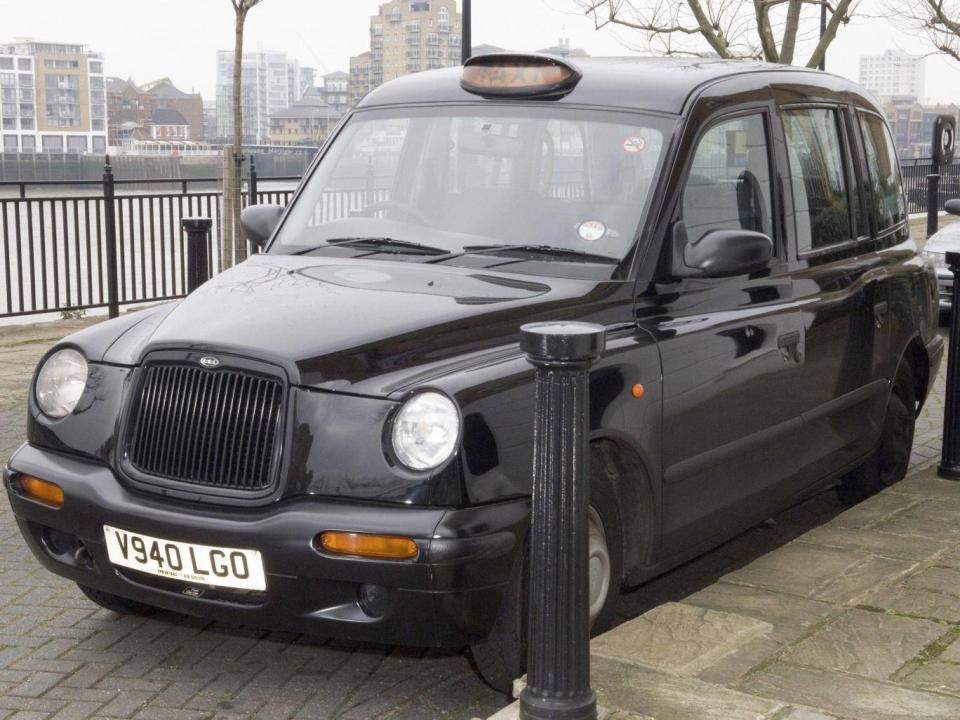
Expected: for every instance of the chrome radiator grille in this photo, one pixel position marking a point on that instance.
(213, 428)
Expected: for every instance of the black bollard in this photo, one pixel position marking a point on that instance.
(558, 657)
(949, 466)
(110, 240)
(933, 203)
(198, 262)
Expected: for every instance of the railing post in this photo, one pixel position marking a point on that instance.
(252, 190)
(933, 203)
(198, 263)
(949, 466)
(558, 659)
(110, 231)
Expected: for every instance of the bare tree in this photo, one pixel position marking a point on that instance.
(232, 190)
(764, 29)
(939, 19)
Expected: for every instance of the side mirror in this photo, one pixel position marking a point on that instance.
(952, 206)
(259, 221)
(720, 253)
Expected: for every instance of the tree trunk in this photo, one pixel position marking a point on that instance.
(239, 249)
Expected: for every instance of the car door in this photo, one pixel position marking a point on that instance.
(838, 285)
(731, 348)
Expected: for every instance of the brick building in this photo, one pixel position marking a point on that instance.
(129, 103)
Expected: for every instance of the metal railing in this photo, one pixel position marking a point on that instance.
(915, 174)
(56, 244)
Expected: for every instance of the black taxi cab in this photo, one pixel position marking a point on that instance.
(334, 437)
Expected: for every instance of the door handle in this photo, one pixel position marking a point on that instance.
(879, 313)
(789, 344)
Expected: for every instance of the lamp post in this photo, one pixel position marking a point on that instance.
(466, 47)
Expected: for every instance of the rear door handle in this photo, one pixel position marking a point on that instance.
(789, 344)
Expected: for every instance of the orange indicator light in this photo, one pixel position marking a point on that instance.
(637, 391)
(382, 547)
(41, 490)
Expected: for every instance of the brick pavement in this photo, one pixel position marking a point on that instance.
(61, 657)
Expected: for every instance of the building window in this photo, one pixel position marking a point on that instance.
(99, 143)
(52, 143)
(8, 109)
(6, 63)
(96, 66)
(9, 143)
(7, 80)
(444, 15)
(96, 125)
(29, 143)
(26, 123)
(24, 63)
(25, 80)
(9, 123)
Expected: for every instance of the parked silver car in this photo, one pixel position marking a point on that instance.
(935, 250)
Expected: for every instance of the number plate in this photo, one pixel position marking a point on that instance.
(204, 564)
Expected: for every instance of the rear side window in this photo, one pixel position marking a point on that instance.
(886, 202)
(729, 183)
(818, 177)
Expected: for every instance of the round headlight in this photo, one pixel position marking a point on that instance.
(60, 383)
(425, 431)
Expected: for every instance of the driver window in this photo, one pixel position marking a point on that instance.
(728, 187)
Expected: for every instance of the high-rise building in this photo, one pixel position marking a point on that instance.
(267, 84)
(52, 98)
(406, 36)
(300, 79)
(894, 74)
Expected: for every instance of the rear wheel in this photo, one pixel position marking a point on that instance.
(889, 462)
(115, 603)
(501, 656)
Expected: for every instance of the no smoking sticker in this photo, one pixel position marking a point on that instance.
(592, 230)
(634, 144)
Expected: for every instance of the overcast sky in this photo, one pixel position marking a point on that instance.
(148, 39)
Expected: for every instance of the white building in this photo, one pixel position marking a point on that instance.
(52, 98)
(894, 74)
(269, 82)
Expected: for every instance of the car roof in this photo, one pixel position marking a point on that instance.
(656, 84)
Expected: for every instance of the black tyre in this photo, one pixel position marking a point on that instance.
(889, 462)
(501, 656)
(115, 603)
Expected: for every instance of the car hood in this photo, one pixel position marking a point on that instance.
(363, 326)
(945, 240)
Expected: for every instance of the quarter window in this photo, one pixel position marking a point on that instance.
(729, 183)
(886, 202)
(818, 177)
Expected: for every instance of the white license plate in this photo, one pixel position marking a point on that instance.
(202, 564)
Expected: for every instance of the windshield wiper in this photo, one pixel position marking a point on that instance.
(535, 250)
(379, 242)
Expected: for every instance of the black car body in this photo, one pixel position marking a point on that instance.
(758, 386)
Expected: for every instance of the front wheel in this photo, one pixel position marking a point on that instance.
(501, 656)
(889, 462)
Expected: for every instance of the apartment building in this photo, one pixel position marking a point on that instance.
(406, 36)
(52, 98)
(894, 74)
(912, 125)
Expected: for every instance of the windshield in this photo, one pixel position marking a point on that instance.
(499, 186)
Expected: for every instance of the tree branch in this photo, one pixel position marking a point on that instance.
(767, 41)
(790, 32)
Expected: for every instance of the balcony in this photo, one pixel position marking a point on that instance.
(444, 27)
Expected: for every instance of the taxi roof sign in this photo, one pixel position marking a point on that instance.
(518, 75)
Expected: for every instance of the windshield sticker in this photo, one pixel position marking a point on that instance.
(592, 230)
(634, 144)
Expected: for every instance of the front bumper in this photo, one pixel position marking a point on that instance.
(445, 597)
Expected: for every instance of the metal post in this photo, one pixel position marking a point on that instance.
(933, 203)
(198, 264)
(949, 467)
(466, 44)
(252, 189)
(558, 658)
(823, 31)
(110, 237)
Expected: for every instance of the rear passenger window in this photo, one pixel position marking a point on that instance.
(729, 183)
(886, 202)
(818, 177)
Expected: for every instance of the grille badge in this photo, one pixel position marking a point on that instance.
(209, 361)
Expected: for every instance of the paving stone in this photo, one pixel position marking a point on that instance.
(872, 510)
(849, 696)
(916, 601)
(634, 689)
(877, 543)
(871, 644)
(939, 676)
(678, 638)
(789, 615)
